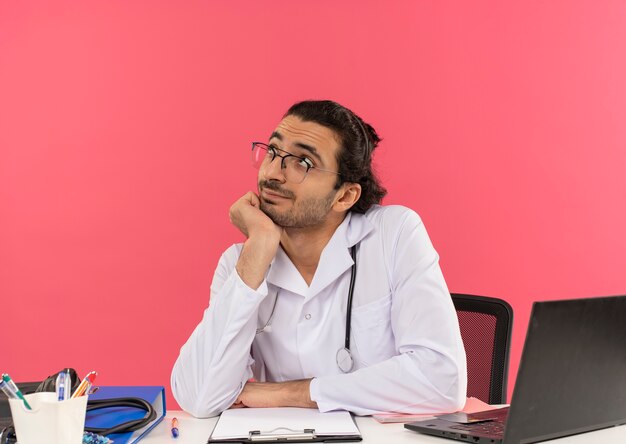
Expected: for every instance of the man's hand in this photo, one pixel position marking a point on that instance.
(276, 394)
(263, 239)
(246, 215)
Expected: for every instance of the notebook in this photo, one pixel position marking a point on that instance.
(472, 405)
(570, 380)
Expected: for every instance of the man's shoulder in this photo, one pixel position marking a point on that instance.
(391, 214)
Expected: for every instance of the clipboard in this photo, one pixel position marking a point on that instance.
(284, 425)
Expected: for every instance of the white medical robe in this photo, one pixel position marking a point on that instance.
(405, 337)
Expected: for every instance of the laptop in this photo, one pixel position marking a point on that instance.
(571, 379)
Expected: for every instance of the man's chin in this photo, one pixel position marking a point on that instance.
(268, 208)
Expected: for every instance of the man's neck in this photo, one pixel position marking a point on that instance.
(304, 246)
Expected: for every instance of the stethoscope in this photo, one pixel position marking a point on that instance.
(345, 361)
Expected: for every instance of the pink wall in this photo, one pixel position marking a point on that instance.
(125, 129)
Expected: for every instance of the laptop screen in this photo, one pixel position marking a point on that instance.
(572, 376)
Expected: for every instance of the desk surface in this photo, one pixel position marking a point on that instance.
(197, 431)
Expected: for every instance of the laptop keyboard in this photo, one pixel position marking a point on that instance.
(489, 423)
(490, 428)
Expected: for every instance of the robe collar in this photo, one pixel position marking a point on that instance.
(334, 260)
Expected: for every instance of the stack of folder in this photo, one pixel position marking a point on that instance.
(109, 417)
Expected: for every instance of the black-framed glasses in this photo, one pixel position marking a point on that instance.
(295, 168)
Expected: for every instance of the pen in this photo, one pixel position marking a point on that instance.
(68, 384)
(7, 379)
(88, 388)
(7, 390)
(80, 390)
(61, 386)
(175, 432)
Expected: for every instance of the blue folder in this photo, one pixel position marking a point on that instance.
(109, 417)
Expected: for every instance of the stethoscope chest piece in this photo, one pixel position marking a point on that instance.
(344, 360)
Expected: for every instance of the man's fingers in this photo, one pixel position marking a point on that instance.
(250, 197)
(253, 199)
(237, 404)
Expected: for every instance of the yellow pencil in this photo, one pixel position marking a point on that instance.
(80, 391)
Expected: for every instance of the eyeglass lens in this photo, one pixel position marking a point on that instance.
(293, 167)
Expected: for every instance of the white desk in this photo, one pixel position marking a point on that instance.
(197, 431)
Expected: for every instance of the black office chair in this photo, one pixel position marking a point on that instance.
(486, 325)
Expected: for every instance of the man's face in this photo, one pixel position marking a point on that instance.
(306, 204)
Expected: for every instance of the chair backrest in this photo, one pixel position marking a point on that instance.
(486, 325)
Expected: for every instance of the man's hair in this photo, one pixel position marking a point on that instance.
(357, 141)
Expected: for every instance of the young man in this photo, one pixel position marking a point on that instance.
(320, 258)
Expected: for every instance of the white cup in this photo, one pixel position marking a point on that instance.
(50, 421)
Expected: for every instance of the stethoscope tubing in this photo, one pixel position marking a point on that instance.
(350, 295)
(345, 361)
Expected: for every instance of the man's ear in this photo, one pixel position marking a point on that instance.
(347, 195)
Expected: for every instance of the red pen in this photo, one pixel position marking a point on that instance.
(85, 383)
